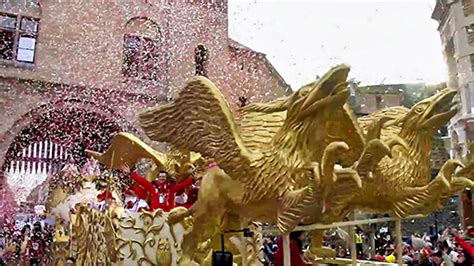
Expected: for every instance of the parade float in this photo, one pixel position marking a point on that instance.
(304, 159)
(116, 235)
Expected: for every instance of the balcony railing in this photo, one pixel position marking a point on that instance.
(34, 165)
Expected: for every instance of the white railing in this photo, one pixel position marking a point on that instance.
(34, 165)
(354, 261)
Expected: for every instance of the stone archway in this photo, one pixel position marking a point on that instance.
(51, 136)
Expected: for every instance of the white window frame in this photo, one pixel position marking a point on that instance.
(18, 34)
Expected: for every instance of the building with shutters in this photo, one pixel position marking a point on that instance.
(73, 74)
(456, 29)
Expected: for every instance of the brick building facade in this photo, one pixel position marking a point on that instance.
(107, 61)
(456, 31)
(367, 99)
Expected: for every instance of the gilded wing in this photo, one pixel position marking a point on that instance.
(200, 120)
(258, 128)
(125, 148)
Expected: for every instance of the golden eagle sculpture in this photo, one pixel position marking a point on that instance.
(278, 166)
(302, 159)
(399, 184)
(403, 183)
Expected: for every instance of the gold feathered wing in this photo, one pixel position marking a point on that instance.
(125, 148)
(200, 120)
(258, 129)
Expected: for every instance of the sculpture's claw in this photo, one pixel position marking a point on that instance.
(447, 171)
(328, 172)
(308, 255)
(176, 215)
(329, 160)
(451, 165)
(467, 171)
(427, 198)
(375, 151)
(460, 183)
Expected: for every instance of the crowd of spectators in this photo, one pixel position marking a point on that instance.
(450, 247)
(25, 242)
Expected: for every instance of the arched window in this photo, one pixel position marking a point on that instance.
(142, 51)
(18, 35)
(19, 27)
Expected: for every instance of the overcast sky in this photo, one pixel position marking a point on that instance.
(383, 41)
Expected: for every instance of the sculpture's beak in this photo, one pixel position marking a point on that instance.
(331, 89)
(441, 110)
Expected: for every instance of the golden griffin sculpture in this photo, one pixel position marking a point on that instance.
(297, 160)
(305, 158)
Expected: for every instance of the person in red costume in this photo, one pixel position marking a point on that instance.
(138, 193)
(296, 250)
(164, 193)
(157, 192)
(466, 242)
(164, 185)
(135, 199)
(36, 249)
(184, 193)
(105, 199)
